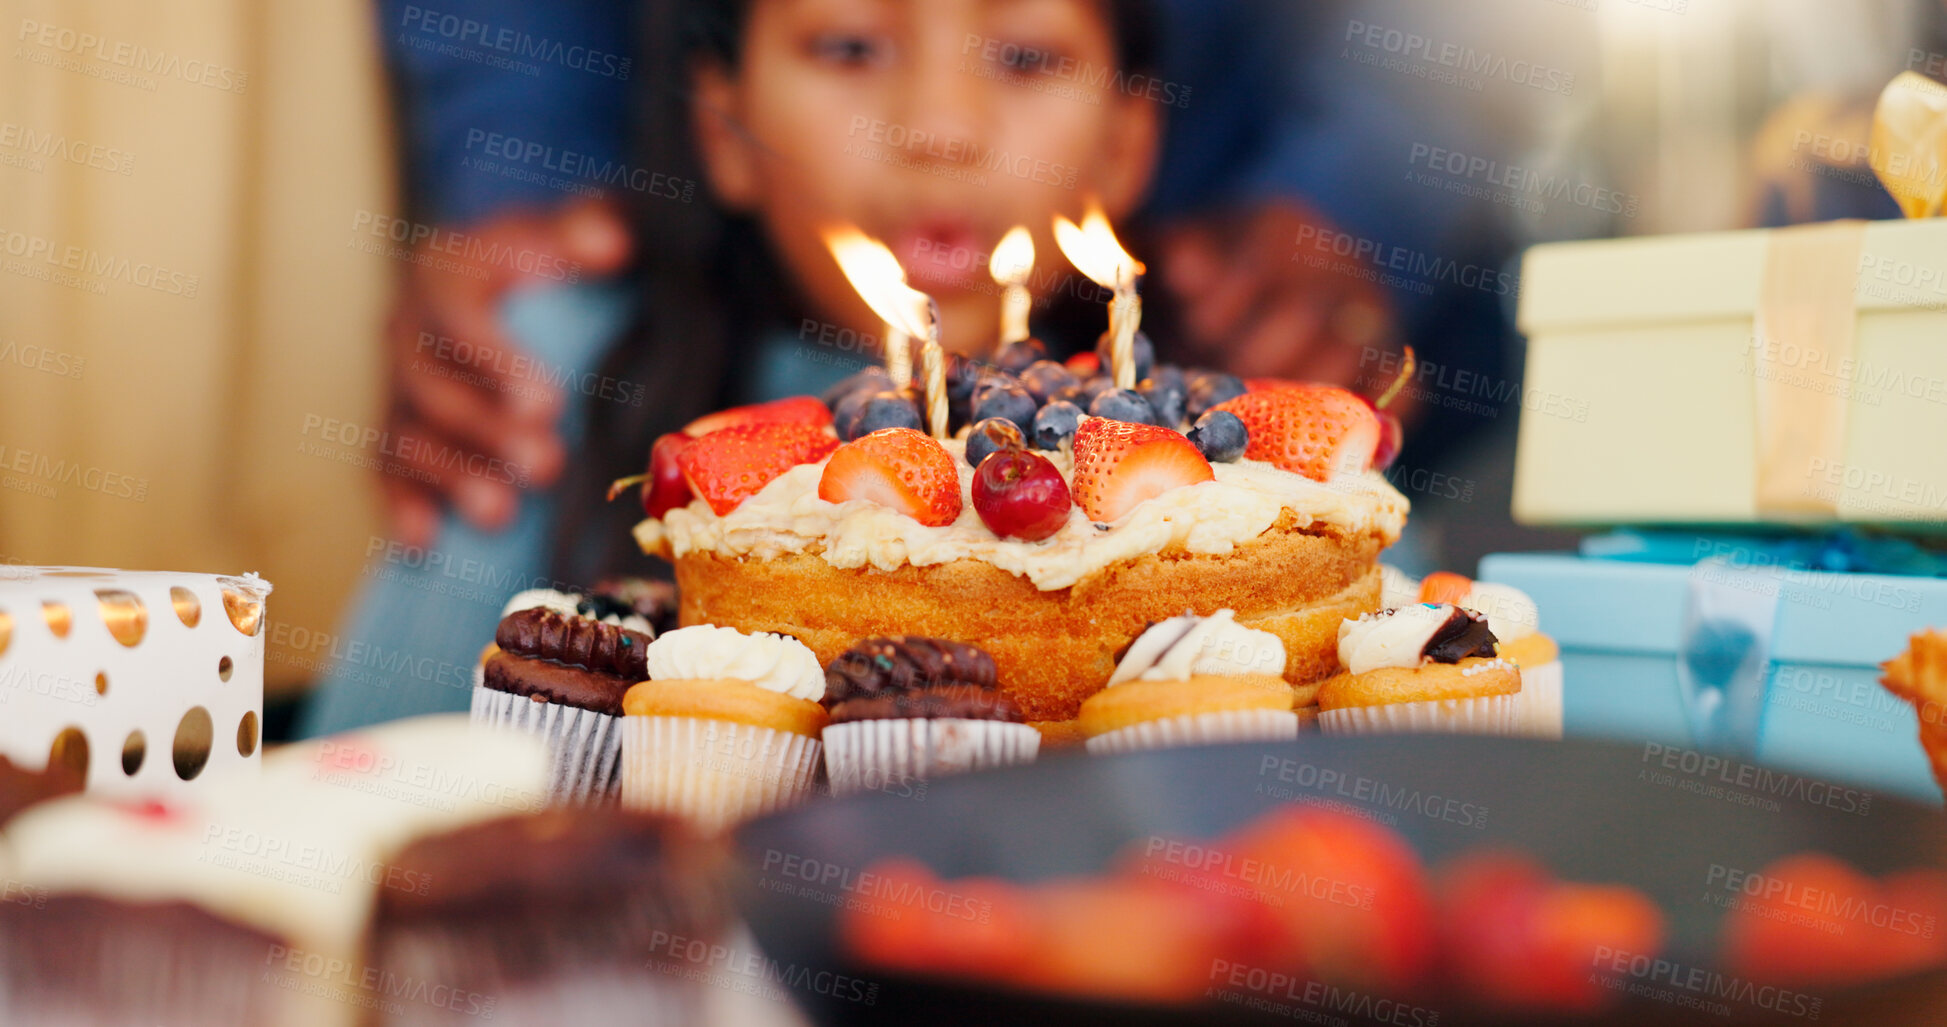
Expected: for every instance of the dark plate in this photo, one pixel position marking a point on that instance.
(1666, 822)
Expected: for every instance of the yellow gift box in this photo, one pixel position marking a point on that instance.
(1794, 376)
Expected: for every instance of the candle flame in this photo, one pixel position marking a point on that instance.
(879, 280)
(1013, 257)
(1092, 247)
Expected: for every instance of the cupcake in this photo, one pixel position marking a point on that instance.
(632, 603)
(171, 912)
(1919, 675)
(1515, 621)
(1193, 680)
(624, 603)
(559, 916)
(1426, 667)
(249, 902)
(725, 728)
(560, 676)
(906, 708)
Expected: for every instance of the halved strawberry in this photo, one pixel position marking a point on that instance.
(730, 465)
(1119, 464)
(1804, 925)
(1445, 587)
(1356, 906)
(1313, 430)
(1085, 364)
(789, 410)
(1514, 936)
(901, 468)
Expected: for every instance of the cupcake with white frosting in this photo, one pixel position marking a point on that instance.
(725, 728)
(1428, 667)
(1517, 629)
(1193, 680)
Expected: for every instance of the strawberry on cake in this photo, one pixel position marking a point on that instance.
(1049, 537)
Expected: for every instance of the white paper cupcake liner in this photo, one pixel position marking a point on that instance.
(1485, 715)
(1541, 700)
(599, 996)
(864, 755)
(713, 771)
(585, 747)
(1198, 729)
(119, 966)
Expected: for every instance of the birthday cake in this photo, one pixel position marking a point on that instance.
(1048, 536)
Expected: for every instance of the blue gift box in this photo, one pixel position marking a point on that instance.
(1742, 647)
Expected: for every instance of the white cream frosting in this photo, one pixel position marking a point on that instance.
(569, 604)
(1209, 518)
(1396, 638)
(777, 662)
(1510, 613)
(1177, 648)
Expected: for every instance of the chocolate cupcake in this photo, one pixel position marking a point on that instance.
(624, 603)
(72, 958)
(633, 603)
(248, 902)
(554, 917)
(905, 708)
(116, 912)
(561, 676)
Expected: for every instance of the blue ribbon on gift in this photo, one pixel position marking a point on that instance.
(1840, 551)
(1724, 653)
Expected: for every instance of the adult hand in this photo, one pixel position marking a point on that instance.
(474, 421)
(1262, 297)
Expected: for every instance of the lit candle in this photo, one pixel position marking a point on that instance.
(875, 273)
(1125, 313)
(933, 363)
(1013, 259)
(899, 356)
(1092, 247)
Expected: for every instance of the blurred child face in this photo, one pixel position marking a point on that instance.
(932, 125)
